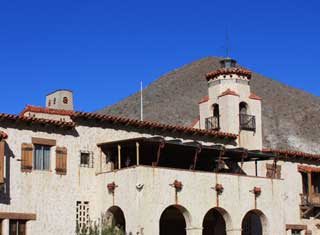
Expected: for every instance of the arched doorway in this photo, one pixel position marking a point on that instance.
(254, 223)
(173, 221)
(114, 217)
(214, 222)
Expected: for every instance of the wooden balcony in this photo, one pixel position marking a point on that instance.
(310, 205)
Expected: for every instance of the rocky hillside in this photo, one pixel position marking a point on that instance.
(291, 117)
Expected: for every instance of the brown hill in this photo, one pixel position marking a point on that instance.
(291, 117)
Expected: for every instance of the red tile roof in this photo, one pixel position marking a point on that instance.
(150, 124)
(228, 92)
(254, 97)
(303, 168)
(3, 135)
(203, 99)
(43, 121)
(292, 153)
(39, 109)
(228, 71)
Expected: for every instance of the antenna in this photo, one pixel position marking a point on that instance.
(141, 101)
(227, 42)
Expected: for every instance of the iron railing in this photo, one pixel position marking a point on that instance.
(212, 123)
(247, 122)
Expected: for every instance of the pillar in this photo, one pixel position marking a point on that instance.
(5, 227)
(234, 231)
(194, 231)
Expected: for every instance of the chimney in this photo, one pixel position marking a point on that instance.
(60, 99)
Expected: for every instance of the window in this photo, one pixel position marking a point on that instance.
(82, 215)
(273, 171)
(41, 157)
(17, 227)
(86, 159)
(295, 232)
(65, 100)
(315, 179)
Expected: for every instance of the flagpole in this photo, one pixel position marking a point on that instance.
(141, 101)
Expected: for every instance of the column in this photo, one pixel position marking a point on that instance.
(234, 231)
(5, 227)
(194, 231)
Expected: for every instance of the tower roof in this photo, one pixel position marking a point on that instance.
(228, 71)
(228, 67)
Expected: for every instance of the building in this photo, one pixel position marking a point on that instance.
(61, 168)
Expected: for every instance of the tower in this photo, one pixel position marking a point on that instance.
(60, 99)
(231, 106)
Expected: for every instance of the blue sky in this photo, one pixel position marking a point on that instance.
(102, 49)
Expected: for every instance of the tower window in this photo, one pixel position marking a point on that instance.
(247, 122)
(54, 100)
(65, 100)
(243, 108)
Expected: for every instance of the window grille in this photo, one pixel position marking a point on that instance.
(86, 159)
(82, 215)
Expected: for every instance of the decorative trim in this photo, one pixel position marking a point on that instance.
(18, 216)
(228, 92)
(43, 141)
(194, 121)
(228, 71)
(203, 99)
(254, 97)
(39, 109)
(296, 227)
(32, 120)
(308, 169)
(100, 118)
(292, 153)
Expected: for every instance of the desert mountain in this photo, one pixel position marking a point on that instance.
(291, 117)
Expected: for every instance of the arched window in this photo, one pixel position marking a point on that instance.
(254, 223)
(212, 123)
(114, 218)
(216, 222)
(215, 108)
(174, 221)
(243, 108)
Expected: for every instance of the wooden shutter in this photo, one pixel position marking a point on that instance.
(2, 145)
(26, 157)
(61, 160)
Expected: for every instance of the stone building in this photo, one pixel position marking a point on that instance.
(61, 168)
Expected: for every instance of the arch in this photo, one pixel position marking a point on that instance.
(215, 110)
(174, 220)
(243, 108)
(114, 216)
(254, 223)
(216, 222)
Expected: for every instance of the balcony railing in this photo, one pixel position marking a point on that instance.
(212, 123)
(313, 199)
(247, 122)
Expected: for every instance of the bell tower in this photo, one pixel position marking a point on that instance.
(231, 106)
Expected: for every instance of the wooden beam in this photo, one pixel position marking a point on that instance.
(310, 189)
(43, 141)
(119, 156)
(138, 153)
(18, 216)
(296, 227)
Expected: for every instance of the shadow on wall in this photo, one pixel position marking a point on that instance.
(5, 188)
